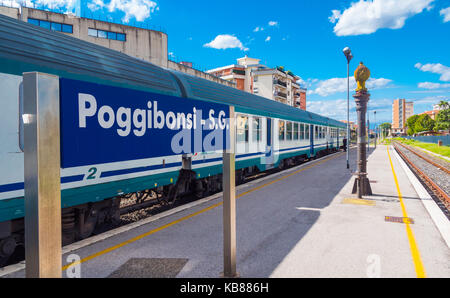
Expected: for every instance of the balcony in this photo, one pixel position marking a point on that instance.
(280, 83)
(239, 72)
(280, 94)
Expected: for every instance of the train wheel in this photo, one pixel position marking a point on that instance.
(7, 248)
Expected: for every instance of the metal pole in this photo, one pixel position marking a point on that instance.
(368, 128)
(348, 114)
(42, 176)
(229, 203)
(376, 129)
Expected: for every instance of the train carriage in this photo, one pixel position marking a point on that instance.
(268, 134)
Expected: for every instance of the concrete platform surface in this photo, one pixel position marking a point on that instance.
(303, 222)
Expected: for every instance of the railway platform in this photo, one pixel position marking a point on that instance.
(303, 222)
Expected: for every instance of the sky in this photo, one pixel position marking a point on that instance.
(405, 43)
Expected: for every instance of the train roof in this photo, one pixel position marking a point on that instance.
(25, 47)
(244, 102)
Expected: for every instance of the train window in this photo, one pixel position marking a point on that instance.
(296, 131)
(281, 130)
(302, 131)
(316, 132)
(256, 129)
(288, 131)
(242, 129)
(306, 131)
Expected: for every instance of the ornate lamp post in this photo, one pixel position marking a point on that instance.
(362, 97)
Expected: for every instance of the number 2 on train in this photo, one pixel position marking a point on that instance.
(91, 175)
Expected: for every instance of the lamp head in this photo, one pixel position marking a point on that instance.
(348, 54)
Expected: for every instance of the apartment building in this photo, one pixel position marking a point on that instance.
(401, 111)
(274, 83)
(145, 44)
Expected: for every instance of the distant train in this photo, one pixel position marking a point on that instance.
(268, 134)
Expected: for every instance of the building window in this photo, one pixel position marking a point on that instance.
(281, 130)
(256, 129)
(102, 34)
(242, 129)
(45, 24)
(112, 35)
(59, 27)
(67, 28)
(56, 27)
(106, 34)
(33, 21)
(92, 32)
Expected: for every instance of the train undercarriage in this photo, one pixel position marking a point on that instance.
(83, 221)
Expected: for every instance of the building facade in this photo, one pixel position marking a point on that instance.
(401, 111)
(145, 44)
(273, 83)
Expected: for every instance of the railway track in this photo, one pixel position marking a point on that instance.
(433, 173)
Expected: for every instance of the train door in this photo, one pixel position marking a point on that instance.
(270, 154)
(337, 136)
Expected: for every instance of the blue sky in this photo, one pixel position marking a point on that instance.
(405, 43)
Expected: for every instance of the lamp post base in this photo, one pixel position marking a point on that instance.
(362, 185)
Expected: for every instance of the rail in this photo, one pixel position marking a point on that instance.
(435, 188)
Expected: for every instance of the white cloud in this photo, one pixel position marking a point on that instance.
(268, 38)
(366, 17)
(336, 14)
(337, 85)
(226, 41)
(432, 86)
(273, 23)
(437, 68)
(446, 14)
(257, 29)
(138, 9)
(67, 5)
(337, 109)
(96, 5)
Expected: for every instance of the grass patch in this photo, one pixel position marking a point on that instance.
(443, 150)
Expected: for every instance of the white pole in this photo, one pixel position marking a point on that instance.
(229, 203)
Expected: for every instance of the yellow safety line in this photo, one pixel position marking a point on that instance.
(110, 249)
(420, 270)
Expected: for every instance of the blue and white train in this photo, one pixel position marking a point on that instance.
(269, 134)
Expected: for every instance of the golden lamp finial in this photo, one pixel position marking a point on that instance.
(362, 74)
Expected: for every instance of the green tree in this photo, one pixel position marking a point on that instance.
(385, 128)
(443, 120)
(424, 123)
(444, 104)
(411, 124)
